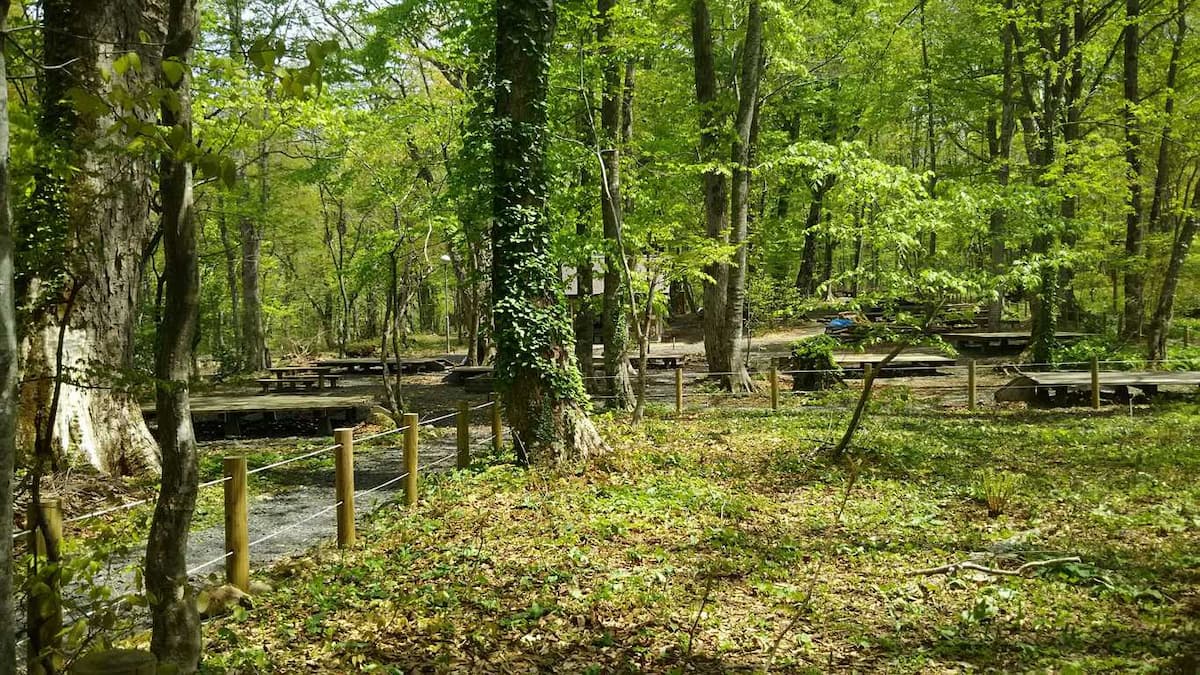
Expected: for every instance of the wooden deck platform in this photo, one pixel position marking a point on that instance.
(910, 364)
(374, 365)
(1001, 340)
(1057, 385)
(232, 409)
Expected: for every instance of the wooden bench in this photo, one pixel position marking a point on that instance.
(294, 382)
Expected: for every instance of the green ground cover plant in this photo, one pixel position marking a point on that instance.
(724, 540)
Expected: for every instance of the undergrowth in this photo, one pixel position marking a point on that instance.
(699, 543)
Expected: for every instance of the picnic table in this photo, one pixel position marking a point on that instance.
(294, 377)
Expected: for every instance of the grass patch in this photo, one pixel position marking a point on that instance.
(710, 543)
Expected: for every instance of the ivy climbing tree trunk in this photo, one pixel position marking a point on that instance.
(8, 375)
(535, 363)
(105, 207)
(175, 638)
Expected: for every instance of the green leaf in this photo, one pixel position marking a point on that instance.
(174, 70)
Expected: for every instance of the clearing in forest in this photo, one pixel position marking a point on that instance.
(713, 542)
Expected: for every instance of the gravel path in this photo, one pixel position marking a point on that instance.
(291, 522)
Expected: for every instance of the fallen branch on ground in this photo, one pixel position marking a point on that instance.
(969, 565)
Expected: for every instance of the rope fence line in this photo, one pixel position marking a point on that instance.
(372, 437)
(289, 528)
(363, 493)
(285, 462)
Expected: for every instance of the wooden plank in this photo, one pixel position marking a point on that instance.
(1130, 378)
(254, 403)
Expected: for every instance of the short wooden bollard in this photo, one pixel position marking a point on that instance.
(1187, 336)
(497, 425)
(237, 524)
(971, 385)
(679, 391)
(1095, 383)
(343, 486)
(116, 662)
(410, 457)
(464, 434)
(774, 388)
(45, 601)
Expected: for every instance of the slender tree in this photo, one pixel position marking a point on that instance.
(614, 320)
(1135, 277)
(535, 363)
(176, 625)
(8, 374)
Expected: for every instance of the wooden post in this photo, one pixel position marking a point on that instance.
(971, 385)
(1187, 336)
(410, 458)
(774, 387)
(343, 486)
(45, 599)
(679, 391)
(497, 426)
(464, 434)
(1095, 383)
(237, 524)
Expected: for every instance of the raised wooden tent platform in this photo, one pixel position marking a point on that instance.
(1057, 385)
(233, 409)
(373, 365)
(905, 364)
(1001, 340)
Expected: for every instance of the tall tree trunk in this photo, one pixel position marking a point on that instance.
(1162, 179)
(229, 248)
(254, 349)
(742, 154)
(535, 363)
(716, 190)
(1135, 277)
(175, 638)
(1160, 324)
(614, 323)
(8, 374)
(585, 312)
(1000, 138)
(806, 276)
(108, 204)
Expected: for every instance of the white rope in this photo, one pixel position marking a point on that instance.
(443, 460)
(437, 419)
(107, 511)
(283, 462)
(482, 405)
(381, 485)
(381, 434)
(211, 483)
(293, 526)
(208, 564)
